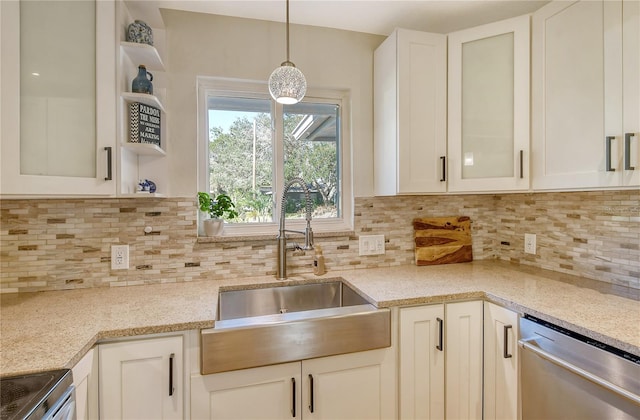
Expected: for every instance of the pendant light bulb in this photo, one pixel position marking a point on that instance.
(287, 84)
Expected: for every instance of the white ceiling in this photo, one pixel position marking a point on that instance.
(371, 16)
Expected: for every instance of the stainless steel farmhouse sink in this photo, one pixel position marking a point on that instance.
(233, 304)
(264, 326)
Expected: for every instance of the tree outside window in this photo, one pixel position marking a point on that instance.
(242, 154)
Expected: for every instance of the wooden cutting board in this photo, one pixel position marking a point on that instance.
(442, 240)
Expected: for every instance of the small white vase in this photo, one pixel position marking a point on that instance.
(213, 227)
(202, 216)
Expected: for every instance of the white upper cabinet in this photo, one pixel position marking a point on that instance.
(631, 92)
(488, 144)
(586, 94)
(410, 97)
(58, 109)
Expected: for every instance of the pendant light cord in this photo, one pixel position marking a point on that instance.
(287, 31)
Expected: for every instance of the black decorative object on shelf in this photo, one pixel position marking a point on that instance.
(144, 124)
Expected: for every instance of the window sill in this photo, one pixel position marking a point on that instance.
(225, 238)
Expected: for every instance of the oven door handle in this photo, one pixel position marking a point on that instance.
(578, 371)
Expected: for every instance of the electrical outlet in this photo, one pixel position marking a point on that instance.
(119, 257)
(371, 245)
(530, 243)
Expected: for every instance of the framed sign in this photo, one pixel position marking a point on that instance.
(144, 124)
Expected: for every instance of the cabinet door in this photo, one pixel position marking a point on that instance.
(85, 379)
(631, 91)
(489, 107)
(463, 367)
(58, 115)
(500, 363)
(576, 90)
(421, 364)
(410, 113)
(350, 386)
(142, 379)
(270, 392)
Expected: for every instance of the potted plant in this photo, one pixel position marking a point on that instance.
(218, 208)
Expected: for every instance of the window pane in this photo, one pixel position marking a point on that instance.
(241, 155)
(311, 152)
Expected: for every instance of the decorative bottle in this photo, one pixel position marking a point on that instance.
(318, 262)
(142, 82)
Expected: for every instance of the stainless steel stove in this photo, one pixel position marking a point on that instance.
(46, 395)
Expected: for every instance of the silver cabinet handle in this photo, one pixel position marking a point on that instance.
(440, 345)
(505, 353)
(109, 176)
(608, 140)
(579, 371)
(172, 356)
(627, 151)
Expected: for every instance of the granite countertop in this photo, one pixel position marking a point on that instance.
(52, 330)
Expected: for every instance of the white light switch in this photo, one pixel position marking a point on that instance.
(371, 245)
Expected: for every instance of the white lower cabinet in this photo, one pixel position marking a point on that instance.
(351, 386)
(269, 392)
(142, 379)
(440, 366)
(500, 363)
(463, 367)
(85, 380)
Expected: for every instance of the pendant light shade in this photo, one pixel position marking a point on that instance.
(287, 84)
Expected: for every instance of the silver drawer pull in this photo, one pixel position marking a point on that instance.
(506, 353)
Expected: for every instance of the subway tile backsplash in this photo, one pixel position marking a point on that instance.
(64, 244)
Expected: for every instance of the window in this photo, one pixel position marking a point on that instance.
(250, 147)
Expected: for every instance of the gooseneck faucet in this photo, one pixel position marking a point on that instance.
(281, 272)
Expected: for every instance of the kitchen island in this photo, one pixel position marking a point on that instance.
(52, 330)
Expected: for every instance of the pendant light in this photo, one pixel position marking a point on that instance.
(287, 84)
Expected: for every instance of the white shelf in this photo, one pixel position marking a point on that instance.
(143, 54)
(144, 149)
(142, 195)
(143, 98)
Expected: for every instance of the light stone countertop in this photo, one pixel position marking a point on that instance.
(53, 330)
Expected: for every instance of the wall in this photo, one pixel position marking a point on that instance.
(219, 46)
(60, 244)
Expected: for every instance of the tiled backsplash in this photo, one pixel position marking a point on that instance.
(61, 244)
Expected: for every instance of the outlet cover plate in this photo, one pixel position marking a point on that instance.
(119, 257)
(530, 243)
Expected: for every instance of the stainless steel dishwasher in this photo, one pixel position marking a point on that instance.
(565, 375)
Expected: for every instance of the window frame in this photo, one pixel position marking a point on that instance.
(207, 86)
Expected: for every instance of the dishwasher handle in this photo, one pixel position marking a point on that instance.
(524, 343)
